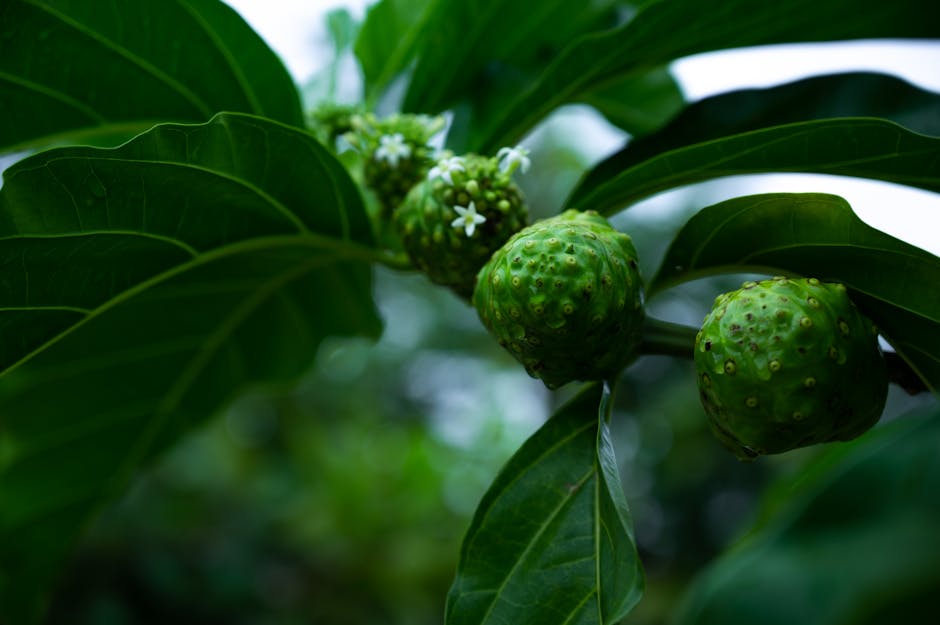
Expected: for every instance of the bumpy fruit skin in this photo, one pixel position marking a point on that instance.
(786, 363)
(445, 252)
(565, 298)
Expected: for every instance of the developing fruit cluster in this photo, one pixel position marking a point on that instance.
(465, 209)
(396, 153)
(786, 363)
(564, 297)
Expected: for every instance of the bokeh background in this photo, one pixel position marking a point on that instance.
(345, 500)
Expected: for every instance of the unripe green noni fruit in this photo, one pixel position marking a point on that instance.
(565, 298)
(786, 363)
(453, 221)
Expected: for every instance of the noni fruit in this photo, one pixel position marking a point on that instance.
(452, 221)
(786, 363)
(396, 153)
(565, 298)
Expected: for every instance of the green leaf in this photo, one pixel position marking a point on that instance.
(142, 288)
(819, 236)
(852, 540)
(639, 104)
(77, 71)
(392, 33)
(469, 38)
(671, 29)
(840, 95)
(551, 541)
(325, 86)
(860, 147)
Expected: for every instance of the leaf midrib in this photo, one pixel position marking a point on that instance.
(59, 96)
(187, 376)
(200, 359)
(519, 475)
(147, 67)
(567, 499)
(177, 243)
(226, 54)
(712, 167)
(343, 250)
(278, 206)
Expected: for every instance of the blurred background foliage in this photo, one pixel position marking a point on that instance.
(345, 499)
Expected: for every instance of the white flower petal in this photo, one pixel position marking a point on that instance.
(468, 218)
(511, 159)
(444, 169)
(392, 148)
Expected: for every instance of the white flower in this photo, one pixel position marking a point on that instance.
(392, 149)
(444, 168)
(511, 158)
(468, 218)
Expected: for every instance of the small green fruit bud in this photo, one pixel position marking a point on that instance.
(453, 220)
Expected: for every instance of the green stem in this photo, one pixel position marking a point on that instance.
(667, 339)
(391, 260)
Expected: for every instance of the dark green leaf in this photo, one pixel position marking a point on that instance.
(468, 40)
(342, 28)
(80, 71)
(142, 288)
(853, 540)
(841, 95)
(639, 103)
(819, 236)
(551, 541)
(861, 147)
(672, 29)
(324, 87)
(392, 32)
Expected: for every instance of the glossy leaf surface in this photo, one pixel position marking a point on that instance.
(672, 29)
(860, 147)
(144, 287)
(551, 541)
(390, 36)
(468, 42)
(819, 236)
(639, 104)
(841, 95)
(851, 540)
(80, 71)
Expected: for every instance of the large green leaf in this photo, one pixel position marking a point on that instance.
(468, 38)
(852, 540)
(819, 236)
(840, 95)
(390, 36)
(142, 288)
(860, 147)
(671, 29)
(639, 103)
(86, 72)
(551, 541)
